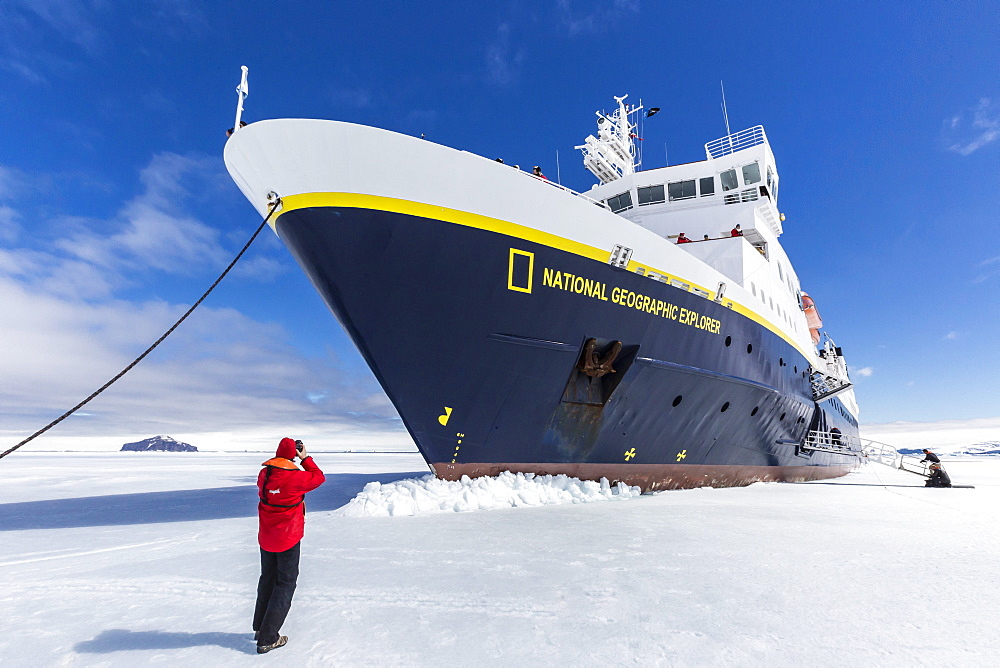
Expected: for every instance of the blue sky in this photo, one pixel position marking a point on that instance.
(116, 210)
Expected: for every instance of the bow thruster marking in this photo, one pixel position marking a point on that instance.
(629, 454)
(682, 454)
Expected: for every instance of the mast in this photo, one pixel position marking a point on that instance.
(611, 154)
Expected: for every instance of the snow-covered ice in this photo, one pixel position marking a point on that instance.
(122, 559)
(428, 495)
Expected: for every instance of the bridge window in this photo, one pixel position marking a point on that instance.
(751, 173)
(729, 181)
(681, 190)
(621, 202)
(707, 185)
(651, 195)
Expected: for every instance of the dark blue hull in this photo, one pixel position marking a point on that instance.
(475, 337)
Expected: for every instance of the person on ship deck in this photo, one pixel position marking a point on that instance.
(681, 239)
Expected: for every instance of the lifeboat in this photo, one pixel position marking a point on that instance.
(812, 317)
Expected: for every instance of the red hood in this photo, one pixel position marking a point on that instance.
(286, 448)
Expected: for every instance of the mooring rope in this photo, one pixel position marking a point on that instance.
(274, 207)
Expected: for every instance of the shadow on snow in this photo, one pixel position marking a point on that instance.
(175, 506)
(121, 640)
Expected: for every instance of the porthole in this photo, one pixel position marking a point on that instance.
(754, 411)
(725, 407)
(795, 369)
(729, 341)
(677, 400)
(781, 361)
(782, 418)
(749, 348)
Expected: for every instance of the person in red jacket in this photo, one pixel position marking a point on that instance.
(282, 487)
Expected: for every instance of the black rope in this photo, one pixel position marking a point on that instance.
(274, 207)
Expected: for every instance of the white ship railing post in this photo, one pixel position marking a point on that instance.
(241, 91)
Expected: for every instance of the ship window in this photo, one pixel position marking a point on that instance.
(754, 411)
(621, 202)
(677, 401)
(681, 190)
(728, 179)
(707, 185)
(651, 195)
(770, 177)
(781, 274)
(751, 173)
(729, 341)
(753, 288)
(725, 407)
(749, 348)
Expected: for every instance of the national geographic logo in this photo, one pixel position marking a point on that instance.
(520, 270)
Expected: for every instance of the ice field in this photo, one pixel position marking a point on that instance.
(124, 559)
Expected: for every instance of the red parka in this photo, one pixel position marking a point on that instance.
(282, 487)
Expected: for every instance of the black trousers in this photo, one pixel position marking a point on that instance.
(278, 573)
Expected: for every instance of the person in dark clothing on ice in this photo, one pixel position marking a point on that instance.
(939, 477)
(282, 487)
(930, 457)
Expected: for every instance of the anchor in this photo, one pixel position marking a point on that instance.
(593, 364)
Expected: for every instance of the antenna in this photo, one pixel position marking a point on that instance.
(241, 91)
(725, 114)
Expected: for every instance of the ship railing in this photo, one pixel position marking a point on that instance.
(563, 188)
(888, 455)
(736, 142)
(825, 386)
(831, 441)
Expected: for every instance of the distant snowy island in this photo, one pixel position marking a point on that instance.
(158, 444)
(975, 450)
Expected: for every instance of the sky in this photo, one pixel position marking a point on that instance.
(116, 211)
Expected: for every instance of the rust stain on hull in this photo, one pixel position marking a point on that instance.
(653, 477)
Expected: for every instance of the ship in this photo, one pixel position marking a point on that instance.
(650, 331)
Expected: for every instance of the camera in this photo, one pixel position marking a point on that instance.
(298, 444)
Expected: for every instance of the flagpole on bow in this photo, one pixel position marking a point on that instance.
(241, 91)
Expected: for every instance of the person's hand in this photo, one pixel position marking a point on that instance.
(301, 452)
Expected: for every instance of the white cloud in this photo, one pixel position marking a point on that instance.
(153, 230)
(65, 333)
(503, 61)
(71, 19)
(9, 227)
(864, 372)
(992, 268)
(982, 130)
(951, 336)
(586, 17)
(220, 370)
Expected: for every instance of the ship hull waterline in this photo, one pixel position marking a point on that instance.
(475, 336)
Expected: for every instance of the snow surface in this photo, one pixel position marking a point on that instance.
(124, 559)
(429, 495)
